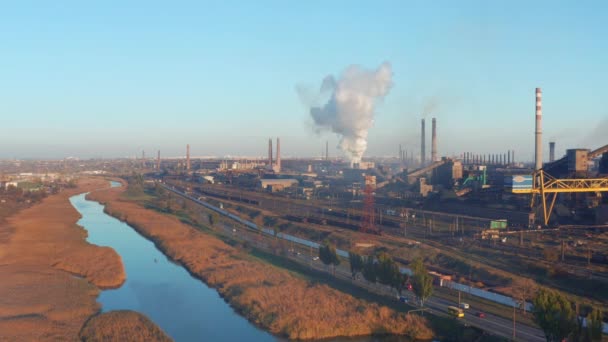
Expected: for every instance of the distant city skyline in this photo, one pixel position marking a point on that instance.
(111, 79)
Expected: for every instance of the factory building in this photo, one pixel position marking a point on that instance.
(448, 173)
(578, 161)
(274, 185)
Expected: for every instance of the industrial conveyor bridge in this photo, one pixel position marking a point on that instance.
(547, 188)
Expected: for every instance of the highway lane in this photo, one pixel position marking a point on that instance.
(493, 324)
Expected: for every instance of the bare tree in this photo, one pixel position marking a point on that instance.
(523, 289)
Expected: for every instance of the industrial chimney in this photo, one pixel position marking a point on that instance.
(270, 153)
(326, 150)
(433, 140)
(158, 161)
(552, 151)
(422, 147)
(278, 162)
(538, 153)
(188, 157)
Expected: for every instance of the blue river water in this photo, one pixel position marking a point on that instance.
(183, 306)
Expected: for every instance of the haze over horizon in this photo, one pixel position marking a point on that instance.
(112, 79)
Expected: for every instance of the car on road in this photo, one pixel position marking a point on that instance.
(480, 315)
(402, 299)
(464, 305)
(315, 258)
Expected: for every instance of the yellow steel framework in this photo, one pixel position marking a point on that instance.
(547, 187)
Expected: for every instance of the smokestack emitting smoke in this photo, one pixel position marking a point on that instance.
(552, 151)
(349, 112)
(422, 145)
(433, 140)
(188, 157)
(538, 153)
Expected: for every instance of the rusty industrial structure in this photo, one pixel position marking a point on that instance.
(368, 222)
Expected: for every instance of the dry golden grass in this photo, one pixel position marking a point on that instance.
(122, 325)
(271, 297)
(49, 275)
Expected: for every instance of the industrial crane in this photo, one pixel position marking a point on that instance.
(547, 187)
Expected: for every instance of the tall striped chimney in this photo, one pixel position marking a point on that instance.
(538, 153)
(433, 140)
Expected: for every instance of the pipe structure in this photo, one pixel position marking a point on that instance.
(551, 151)
(422, 147)
(433, 140)
(538, 151)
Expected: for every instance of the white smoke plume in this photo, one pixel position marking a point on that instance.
(349, 112)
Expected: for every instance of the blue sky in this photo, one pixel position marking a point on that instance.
(110, 78)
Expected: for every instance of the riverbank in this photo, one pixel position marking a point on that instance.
(51, 276)
(275, 299)
(122, 325)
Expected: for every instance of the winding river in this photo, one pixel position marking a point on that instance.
(183, 306)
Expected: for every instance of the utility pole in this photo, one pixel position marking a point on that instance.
(513, 320)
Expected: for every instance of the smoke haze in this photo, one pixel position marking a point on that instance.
(349, 111)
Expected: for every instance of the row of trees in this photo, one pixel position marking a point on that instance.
(382, 269)
(554, 314)
(328, 255)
